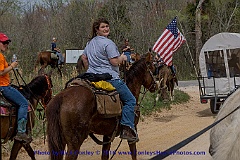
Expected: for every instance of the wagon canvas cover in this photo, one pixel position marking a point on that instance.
(219, 62)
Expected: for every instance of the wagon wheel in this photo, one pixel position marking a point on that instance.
(212, 103)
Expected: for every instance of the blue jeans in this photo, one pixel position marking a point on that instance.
(128, 54)
(128, 100)
(60, 57)
(16, 97)
(173, 69)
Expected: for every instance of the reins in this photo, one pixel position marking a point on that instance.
(153, 84)
(42, 103)
(49, 88)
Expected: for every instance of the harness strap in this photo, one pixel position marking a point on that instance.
(95, 139)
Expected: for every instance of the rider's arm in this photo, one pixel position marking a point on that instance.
(9, 68)
(85, 60)
(118, 60)
(125, 48)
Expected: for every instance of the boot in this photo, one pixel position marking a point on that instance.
(129, 134)
(21, 135)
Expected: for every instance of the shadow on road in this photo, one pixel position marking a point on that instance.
(205, 113)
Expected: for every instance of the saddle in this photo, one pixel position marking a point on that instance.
(107, 98)
(53, 54)
(7, 107)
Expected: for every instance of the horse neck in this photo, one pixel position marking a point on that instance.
(37, 92)
(135, 79)
(135, 89)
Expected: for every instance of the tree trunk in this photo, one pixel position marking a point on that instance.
(198, 32)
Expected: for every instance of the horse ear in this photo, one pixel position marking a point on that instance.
(148, 57)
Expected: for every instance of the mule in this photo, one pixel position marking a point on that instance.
(166, 83)
(46, 58)
(72, 114)
(225, 136)
(40, 88)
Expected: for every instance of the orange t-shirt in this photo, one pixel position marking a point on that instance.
(5, 79)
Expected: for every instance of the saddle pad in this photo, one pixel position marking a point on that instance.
(54, 56)
(4, 111)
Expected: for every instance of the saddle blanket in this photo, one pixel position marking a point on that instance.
(6, 112)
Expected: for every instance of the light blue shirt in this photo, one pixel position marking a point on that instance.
(99, 50)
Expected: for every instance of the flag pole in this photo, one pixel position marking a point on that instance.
(193, 63)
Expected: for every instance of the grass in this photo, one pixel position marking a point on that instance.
(148, 106)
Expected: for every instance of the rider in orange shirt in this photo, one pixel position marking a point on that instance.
(11, 93)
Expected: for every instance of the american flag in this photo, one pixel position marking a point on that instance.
(169, 42)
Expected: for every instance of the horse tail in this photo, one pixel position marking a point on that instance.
(176, 80)
(228, 146)
(54, 129)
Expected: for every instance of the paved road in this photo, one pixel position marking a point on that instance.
(187, 83)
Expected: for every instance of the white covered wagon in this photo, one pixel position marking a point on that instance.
(219, 68)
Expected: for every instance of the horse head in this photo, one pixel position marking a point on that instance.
(149, 80)
(40, 89)
(141, 73)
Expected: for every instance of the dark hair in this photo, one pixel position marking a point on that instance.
(96, 26)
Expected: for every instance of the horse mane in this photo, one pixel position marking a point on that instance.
(38, 85)
(137, 69)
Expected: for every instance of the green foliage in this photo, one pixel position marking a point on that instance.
(147, 105)
(120, 23)
(31, 26)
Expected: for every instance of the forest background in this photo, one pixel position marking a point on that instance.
(32, 24)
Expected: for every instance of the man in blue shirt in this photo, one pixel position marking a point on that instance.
(57, 51)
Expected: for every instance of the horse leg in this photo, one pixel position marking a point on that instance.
(132, 146)
(73, 149)
(159, 88)
(29, 150)
(171, 88)
(133, 150)
(59, 71)
(17, 145)
(172, 94)
(74, 141)
(41, 70)
(106, 148)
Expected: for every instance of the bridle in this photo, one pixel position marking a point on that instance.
(153, 83)
(49, 90)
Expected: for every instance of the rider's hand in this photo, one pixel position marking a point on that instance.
(124, 57)
(14, 64)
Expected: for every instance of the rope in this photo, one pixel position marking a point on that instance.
(114, 152)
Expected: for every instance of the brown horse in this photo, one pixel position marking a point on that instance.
(166, 83)
(40, 88)
(46, 58)
(72, 114)
(80, 66)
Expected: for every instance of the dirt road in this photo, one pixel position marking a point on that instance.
(157, 133)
